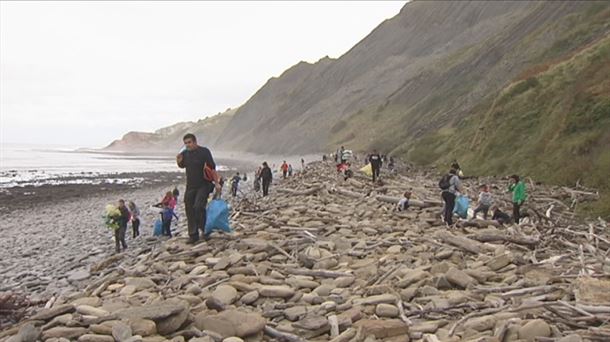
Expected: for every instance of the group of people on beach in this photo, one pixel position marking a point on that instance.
(128, 212)
(451, 189)
(450, 186)
(202, 179)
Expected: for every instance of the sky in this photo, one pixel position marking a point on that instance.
(85, 73)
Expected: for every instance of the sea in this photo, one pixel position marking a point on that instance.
(23, 165)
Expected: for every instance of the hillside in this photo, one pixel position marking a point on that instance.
(208, 130)
(552, 123)
(504, 87)
(418, 72)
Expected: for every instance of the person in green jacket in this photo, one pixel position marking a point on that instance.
(517, 187)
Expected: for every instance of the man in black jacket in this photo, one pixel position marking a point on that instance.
(375, 160)
(201, 180)
(267, 177)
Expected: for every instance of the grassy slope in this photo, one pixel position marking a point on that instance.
(551, 122)
(553, 125)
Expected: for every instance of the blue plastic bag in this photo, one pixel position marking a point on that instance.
(158, 228)
(461, 206)
(217, 217)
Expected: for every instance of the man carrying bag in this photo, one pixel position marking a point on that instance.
(201, 180)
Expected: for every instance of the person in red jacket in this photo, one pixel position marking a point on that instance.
(284, 169)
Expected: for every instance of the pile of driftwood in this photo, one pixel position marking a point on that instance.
(324, 259)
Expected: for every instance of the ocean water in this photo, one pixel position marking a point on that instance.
(22, 165)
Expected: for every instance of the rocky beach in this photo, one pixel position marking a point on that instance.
(321, 259)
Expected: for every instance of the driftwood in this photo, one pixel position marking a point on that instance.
(307, 192)
(349, 193)
(461, 242)
(317, 273)
(478, 223)
(504, 237)
(282, 336)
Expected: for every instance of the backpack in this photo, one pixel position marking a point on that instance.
(445, 182)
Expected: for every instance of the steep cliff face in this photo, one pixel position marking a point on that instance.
(506, 86)
(422, 70)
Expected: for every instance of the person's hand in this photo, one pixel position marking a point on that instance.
(217, 188)
(179, 158)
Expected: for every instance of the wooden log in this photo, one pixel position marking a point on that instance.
(501, 236)
(478, 223)
(282, 336)
(349, 193)
(317, 273)
(307, 192)
(334, 326)
(461, 242)
(345, 336)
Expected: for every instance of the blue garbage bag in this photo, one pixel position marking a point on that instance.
(217, 217)
(461, 206)
(158, 228)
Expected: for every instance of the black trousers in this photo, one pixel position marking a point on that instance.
(516, 212)
(166, 227)
(376, 170)
(195, 203)
(135, 227)
(266, 184)
(449, 200)
(119, 237)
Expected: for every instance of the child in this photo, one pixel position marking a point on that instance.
(168, 203)
(235, 184)
(135, 219)
(119, 233)
(499, 216)
(403, 204)
(485, 202)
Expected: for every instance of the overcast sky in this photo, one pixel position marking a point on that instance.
(86, 73)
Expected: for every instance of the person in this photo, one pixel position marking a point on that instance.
(267, 177)
(235, 184)
(168, 204)
(341, 150)
(119, 233)
(135, 219)
(176, 193)
(403, 204)
(201, 180)
(302, 164)
(289, 170)
(450, 186)
(257, 179)
(498, 215)
(375, 160)
(485, 201)
(344, 169)
(517, 187)
(284, 169)
(391, 165)
(455, 165)
(324, 157)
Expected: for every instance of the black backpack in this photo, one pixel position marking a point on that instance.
(445, 182)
